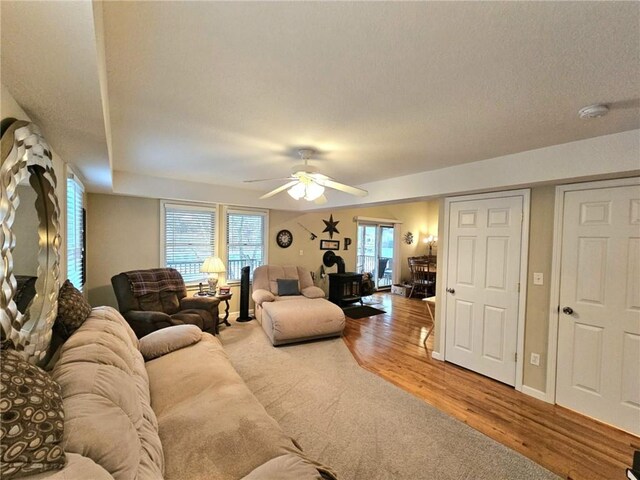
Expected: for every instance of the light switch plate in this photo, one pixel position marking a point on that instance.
(538, 279)
(535, 359)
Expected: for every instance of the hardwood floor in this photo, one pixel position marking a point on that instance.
(569, 444)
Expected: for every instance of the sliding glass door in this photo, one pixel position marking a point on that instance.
(375, 251)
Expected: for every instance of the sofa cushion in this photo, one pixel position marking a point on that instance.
(167, 340)
(210, 424)
(73, 309)
(108, 415)
(288, 287)
(190, 317)
(285, 467)
(32, 418)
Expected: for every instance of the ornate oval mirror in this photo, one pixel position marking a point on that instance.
(29, 240)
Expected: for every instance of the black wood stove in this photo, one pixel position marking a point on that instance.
(344, 287)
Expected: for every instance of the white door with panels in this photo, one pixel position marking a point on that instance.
(598, 367)
(483, 275)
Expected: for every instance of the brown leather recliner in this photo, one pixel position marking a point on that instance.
(159, 309)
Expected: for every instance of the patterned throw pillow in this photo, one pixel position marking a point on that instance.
(32, 418)
(73, 310)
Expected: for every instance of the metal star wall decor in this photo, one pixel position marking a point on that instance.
(331, 226)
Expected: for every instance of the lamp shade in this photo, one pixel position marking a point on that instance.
(310, 190)
(212, 265)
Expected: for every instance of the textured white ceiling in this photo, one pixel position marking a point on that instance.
(49, 65)
(220, 92)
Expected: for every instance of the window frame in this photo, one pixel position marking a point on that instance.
(188, 206)
(230, 209)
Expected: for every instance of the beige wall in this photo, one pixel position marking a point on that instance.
(123, 233)
(418, 218)
(537, 310)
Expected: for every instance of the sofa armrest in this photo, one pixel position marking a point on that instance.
(200, 303)
(148, 317)
(143, 322)
(313, 292)
(261, 295)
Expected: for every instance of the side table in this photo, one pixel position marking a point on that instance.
(226, 299)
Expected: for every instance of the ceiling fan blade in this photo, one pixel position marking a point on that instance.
(279, 189)
(267, 179)
(321, 200)
(327, 182)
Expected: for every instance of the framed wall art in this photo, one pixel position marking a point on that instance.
(329, 244)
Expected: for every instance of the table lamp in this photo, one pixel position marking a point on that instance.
(212, 266)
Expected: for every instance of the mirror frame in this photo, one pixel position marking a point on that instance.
(25, 154)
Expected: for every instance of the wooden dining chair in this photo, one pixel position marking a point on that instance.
(422, 278)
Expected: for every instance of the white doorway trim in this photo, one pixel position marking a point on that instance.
(524, 262)
(556, 259)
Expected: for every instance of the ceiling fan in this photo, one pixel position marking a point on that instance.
(305, 182)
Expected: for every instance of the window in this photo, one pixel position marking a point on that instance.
(189, 237)
(75, 232)
(246, 233)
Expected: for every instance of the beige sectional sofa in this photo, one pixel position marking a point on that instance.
(185, 414)
(304, 315)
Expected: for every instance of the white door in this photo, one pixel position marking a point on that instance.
(598, 369)
(483, 274)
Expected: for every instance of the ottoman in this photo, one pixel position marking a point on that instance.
(290, 320)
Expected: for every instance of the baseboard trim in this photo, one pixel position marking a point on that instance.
(535, 393)
(437, 356)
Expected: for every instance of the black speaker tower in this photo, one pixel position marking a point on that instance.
(244, 296)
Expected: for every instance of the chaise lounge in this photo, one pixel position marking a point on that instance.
(290, 308)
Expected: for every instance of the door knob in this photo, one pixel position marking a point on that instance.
(451, 290)
(567, 310)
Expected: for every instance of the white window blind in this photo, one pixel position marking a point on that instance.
(189, 238)
(75, 232)
(246, 238)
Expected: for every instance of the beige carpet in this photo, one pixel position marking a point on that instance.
(361, 425)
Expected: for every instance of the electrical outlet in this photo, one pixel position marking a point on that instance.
(301, 253)
(535, 359)
(538, 279)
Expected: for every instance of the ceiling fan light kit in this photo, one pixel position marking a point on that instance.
(307, 189)
(306, 182)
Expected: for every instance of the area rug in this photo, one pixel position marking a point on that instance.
(361, 311)
(359, 424)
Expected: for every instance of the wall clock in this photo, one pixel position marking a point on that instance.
(284, 238)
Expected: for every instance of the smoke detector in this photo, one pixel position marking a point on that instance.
(593, 111)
